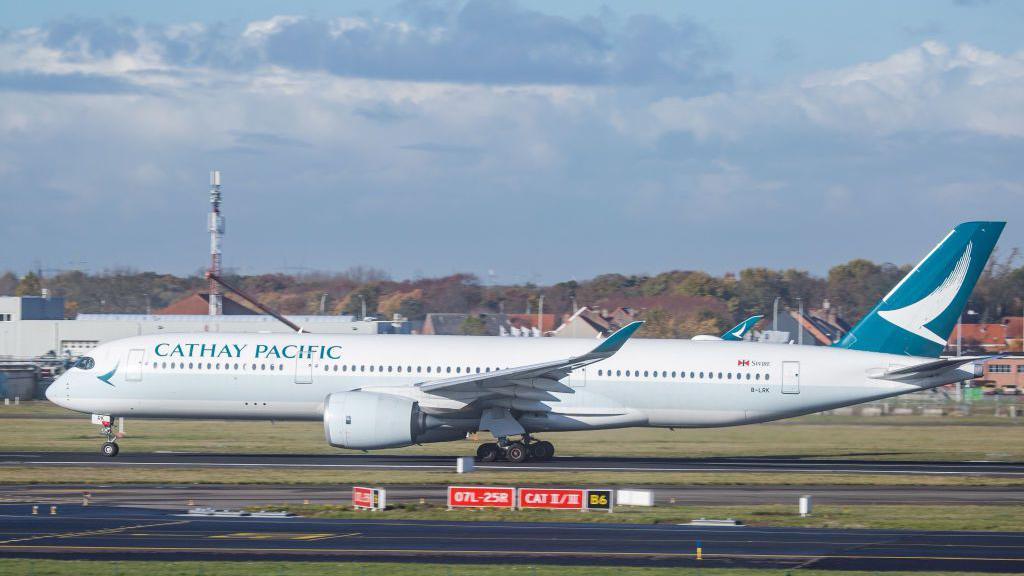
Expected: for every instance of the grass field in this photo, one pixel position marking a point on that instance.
(80, 567)
(45, 427)
(888, 517)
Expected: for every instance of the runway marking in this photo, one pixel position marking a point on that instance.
(781, 468)
(491, 552)
(101, 532)
(279, 536)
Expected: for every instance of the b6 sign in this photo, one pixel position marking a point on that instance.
(481, 497)
(552, 498)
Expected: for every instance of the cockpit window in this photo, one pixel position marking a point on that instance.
(85, 363)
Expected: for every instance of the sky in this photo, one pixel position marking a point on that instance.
(521, 141)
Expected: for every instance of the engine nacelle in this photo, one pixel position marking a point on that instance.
(368, 420)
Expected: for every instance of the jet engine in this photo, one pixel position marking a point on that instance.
(370, 421)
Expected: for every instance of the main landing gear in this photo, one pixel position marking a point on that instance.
(110, 447)
(515, 451)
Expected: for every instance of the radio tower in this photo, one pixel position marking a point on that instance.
(216, 226)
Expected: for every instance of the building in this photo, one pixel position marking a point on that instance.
(199, 304)
(1002, 372)
(1007, 335)
(487, 324)
(590, 323)
(820, 327)
(31, 329)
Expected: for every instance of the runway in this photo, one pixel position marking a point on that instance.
(558, 464)
(126, 533)
(176, 497)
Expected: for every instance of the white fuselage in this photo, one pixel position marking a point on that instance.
(665, 383)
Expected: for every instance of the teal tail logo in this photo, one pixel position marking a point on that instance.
(106, 377)
(740, 330)
(917, 316)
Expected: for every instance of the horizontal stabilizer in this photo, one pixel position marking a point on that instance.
(934, 368)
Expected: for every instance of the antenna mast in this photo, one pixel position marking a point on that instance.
(216, 227)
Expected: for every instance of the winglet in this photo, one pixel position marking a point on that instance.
(611, 344)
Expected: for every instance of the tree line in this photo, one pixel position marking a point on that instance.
(677, 303)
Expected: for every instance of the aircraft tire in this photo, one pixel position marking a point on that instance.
(110, 449)
(542, 450)
(516, 453)
(487, 452)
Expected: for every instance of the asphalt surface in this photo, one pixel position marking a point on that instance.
(127, 533)
(626, 464)
(175, 497)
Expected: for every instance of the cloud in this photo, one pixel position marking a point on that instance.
(930, 87)
(486, 135)
(479, 41)
(74, 83)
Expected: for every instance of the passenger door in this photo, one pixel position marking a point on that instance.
(790, 377)
(133, 373)
(303, 370)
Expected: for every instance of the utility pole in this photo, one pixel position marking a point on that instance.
(775, 314)
(540, 314)
(216, 228)
(800, 324)
(363, 300)
(323, 303)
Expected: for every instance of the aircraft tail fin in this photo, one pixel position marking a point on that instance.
(917, 316)
(740, 330)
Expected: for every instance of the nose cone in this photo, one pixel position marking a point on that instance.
(58, 391)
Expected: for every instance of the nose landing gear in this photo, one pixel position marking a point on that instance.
(515, 451)
(110, 447)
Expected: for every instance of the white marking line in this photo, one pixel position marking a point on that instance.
(532, 468)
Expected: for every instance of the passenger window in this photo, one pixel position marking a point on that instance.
(645, 373)
(458, 369)
(673, 373)
(371, 367)
(748, 375)
(719, 375)
(701, 374)
(236, 366)
(163, 364)
(766, 376)
(757, 376)
(389, 368)
(627, 372)
(448, 369)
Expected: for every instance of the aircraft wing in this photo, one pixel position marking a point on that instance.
(550, 371)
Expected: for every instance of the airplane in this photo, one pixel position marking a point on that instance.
(734, 334)
(374, 392)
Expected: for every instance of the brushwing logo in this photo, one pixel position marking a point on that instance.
(914, 317)
(106, 377)
(738, 333)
